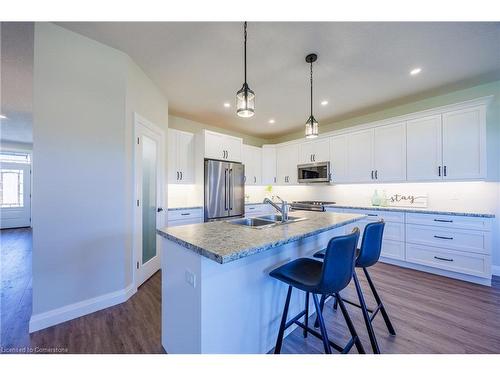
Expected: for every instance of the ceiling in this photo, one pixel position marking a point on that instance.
(17, 82)
(361, 65)
(198, 65)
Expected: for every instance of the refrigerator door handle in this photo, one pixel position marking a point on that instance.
(225, 189)
(230, 184)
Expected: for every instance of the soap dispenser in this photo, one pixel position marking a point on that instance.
(375, 198)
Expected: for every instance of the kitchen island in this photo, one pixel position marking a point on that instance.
(217, 296)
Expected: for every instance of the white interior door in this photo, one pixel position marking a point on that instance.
(149, 194)
(15, 195)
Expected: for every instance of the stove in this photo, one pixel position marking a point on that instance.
(310, 205)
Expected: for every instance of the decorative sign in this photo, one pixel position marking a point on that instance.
(407, 200)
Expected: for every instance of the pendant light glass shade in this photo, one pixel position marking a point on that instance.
(245, 102)
(245, 97)
(311, 127)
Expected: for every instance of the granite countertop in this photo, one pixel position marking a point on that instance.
(224, 242)
(414, 210)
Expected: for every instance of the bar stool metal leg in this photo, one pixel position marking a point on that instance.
(379, 303)
(306, 318)
(324, 335)
(348, 321)
(321, 306)
(279, 340)
(366, 316)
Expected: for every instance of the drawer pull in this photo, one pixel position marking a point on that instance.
(251, 208)
(445, 259)
(371, 215)
(185, 214)
(443, 221)
(443, 238)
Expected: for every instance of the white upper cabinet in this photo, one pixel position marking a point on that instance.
(464, 144)
(338, 158)
(269, 164)
(180, 157)
(314, 151)
(287, 157)
(222, 147)
(360, 156)
(424, 149)
(390, 153)
(252, 159)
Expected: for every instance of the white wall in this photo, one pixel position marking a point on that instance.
(84, 97)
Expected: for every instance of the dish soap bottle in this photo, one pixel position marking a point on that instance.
(376, 198)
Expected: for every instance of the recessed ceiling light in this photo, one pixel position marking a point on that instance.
(271, 121)
(324, 102)
(415, 71)
(3, 117)
(227, 105)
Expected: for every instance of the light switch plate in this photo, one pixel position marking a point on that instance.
(190, 278)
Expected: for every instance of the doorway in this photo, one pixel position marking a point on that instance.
(149, 186)
(15, 189)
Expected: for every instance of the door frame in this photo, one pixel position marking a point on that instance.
(28, 151)
(141, 123)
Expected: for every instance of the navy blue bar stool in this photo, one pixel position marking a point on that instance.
(368, 255)
(326, 278)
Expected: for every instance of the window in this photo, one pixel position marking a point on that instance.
(15, 157)
(11, 188)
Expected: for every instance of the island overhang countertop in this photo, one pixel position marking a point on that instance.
(225, 242)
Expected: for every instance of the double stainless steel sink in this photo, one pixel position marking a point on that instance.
(266, 221)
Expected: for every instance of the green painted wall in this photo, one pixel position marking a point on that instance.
(181, 123)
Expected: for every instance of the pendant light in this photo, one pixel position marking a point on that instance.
(311, 123)
(245, 98)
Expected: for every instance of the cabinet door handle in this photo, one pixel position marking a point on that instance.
(185, 214)
(439, 171)
(444, 171)
(443, 221)
(181, 175)
(314, 157)
(376, 174)
(372, 175)
(177, 176)
(274, 179)
(443, 237)
(311, 157)
(446, 259)
(254, 179)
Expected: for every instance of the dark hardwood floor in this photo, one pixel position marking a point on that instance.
(431, 314)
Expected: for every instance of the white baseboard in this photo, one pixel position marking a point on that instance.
(75, 310)
(495, 270)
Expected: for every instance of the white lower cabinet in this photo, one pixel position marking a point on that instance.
(184, 217)
(458, 245)
(450, 260)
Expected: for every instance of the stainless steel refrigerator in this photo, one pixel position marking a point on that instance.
(224, 190)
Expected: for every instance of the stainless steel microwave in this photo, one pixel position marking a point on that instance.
(314, 172)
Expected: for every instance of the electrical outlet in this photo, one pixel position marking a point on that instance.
(190, 278)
